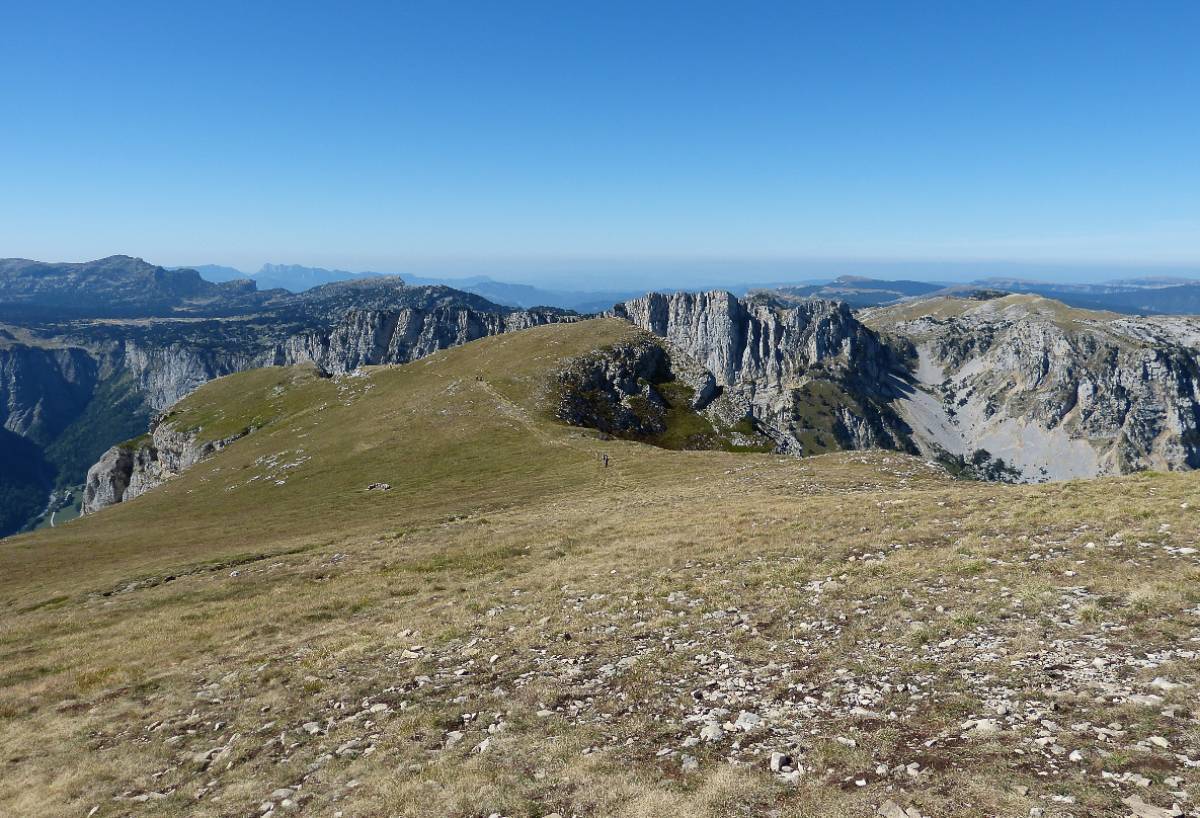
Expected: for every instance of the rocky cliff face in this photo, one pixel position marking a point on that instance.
(164, 374)
(809, 374)
(757, 341)
(1054, 392)
(369, 337)
(130, 469)
(1013, 387)
(43, 388)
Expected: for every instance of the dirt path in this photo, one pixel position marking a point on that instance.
(612, 475)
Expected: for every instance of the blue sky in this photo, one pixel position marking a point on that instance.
(604, 141)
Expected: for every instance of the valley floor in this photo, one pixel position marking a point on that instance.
(518, 630)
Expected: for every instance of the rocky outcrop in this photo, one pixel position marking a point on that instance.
(612, 390)
(809, 374)
(130, 469)
(637, 390)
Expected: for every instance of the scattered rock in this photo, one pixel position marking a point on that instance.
(1143, 810)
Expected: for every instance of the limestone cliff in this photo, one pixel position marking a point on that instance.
(808, 374)
(1055, 392)
(42, 388)
(369, 337)
(130, 469)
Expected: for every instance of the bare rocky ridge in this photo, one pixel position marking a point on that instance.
(370, 337)
(1055, 392)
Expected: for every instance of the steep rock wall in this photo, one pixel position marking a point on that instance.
(809, 374)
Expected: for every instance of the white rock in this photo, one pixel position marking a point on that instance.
(747, 721)
(1143, 810)
(983, 727)
(1150, 700)
(890, 809)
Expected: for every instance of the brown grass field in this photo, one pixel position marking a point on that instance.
(513, 629)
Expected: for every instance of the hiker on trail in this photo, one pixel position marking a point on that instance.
(606, 461)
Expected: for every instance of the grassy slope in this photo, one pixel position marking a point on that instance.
(506, 574)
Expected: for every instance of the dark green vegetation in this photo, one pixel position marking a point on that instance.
(74, 429)
(25, 481)
(820, 410)
(630, 391)
(116, 411)
(684, 428)
(981, 465)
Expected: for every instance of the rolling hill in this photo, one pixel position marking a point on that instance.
(415, 590)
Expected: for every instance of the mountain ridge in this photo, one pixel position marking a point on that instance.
(806, 374)
(76, 381)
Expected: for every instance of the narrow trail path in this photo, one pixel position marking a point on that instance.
(612, 475)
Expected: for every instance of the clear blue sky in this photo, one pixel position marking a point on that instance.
(559, 138)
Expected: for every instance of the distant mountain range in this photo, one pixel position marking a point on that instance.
(113, 286)
(297, 278)
(1144, 296)
(858, 291)
(1152, 295)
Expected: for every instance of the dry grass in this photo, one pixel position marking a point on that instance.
(525, 573)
